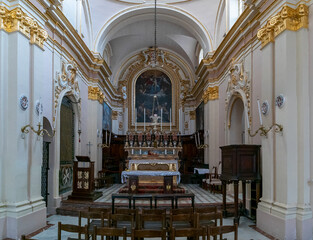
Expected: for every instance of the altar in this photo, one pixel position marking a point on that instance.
(151, 157)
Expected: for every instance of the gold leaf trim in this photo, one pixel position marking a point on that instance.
(94, 93)
(16, 20)
(287, 19)
(211, 93)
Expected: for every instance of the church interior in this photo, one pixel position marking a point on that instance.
(156, 119)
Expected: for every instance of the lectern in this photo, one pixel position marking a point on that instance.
(83, 180)
(240, 163)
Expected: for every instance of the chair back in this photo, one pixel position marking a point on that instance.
(151, 221)
(125, 211)
(121, 220)
(181, 211)
(155, 211)
(193, 233)
(73, 229)
(205, 219)
(109, 232)
(186, 220)
(95, 209)
(90, 216)
(209, 209)
(148, 233)
(214, 231)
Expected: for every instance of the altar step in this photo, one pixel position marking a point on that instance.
(149, 189)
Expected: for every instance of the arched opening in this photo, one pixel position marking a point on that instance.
(237, 123)
(45, 174)
(67, 143)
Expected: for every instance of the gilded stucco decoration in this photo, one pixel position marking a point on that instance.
(66, 83)
(287, 19)
(16, 20)
(239, 84)
(211, 93)
(94, 93)
(114, 115)
(192, 115)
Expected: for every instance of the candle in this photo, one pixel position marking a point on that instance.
(110, 139)
(39, 111)
(196, 139)
(161, 118)
(135, 119)
(247, 119)
(170, 119)
(144, 119)
(260, 115)
(199, 138)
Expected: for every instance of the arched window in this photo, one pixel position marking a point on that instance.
(200, 57)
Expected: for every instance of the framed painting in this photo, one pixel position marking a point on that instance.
(107, 117)
(153, 92)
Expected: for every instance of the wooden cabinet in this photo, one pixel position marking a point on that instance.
(241, 163)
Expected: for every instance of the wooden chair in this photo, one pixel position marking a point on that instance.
(214, 231)
(96, 209)
(188, 220)
(190, 233)
(73, 229)
(205, 219)
(212, 180)
(122, 220)
(155, 211)
(109, 232)
(181, 211)
(151, 221)
(98, 219)
(209, 209)
(148, 233)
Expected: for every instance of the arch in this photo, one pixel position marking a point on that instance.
(236, 128)
(237, 97)
(166, 12)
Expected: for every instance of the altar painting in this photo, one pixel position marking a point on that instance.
(153, 93)
(200, 117)
(107, 117)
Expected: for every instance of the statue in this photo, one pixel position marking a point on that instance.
(155, 118)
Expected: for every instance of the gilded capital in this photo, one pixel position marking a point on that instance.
(192, 115)
(211, 93)
(287, 19)
(16, 20)
(94, 93)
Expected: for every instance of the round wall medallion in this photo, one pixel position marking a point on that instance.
(265, 107)
(280, 100)
(39, 107)
(24, 102)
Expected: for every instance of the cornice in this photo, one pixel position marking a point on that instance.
(16, 20)
(287, 19)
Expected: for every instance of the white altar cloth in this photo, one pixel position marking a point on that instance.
(126, 174)
(201, 170)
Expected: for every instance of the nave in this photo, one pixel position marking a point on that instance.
(246, 230)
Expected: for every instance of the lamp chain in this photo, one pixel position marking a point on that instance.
(155, 30)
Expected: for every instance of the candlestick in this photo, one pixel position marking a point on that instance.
(144, 119)
(260, 115)
(199, 139)
(170, 119)
(161, 118)
(247, 119)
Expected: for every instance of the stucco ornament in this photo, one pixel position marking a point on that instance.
(239, 85)
(66, 83)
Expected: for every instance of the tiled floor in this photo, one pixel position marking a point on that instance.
(202, 196)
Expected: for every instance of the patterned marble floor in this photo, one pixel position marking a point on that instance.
(201, 196)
